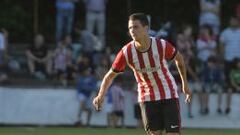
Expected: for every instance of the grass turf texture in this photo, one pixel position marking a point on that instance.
(102, 131)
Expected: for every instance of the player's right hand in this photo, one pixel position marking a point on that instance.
(97, 102)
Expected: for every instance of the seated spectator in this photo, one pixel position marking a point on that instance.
(206, 44)
(3, 56)
(212, 78)
(103, 67)
(185, 42)
(71, 63)
(86, 85)
(106, 53)
(73, 48)
(63, 62)
(39, 58)
(84, 60)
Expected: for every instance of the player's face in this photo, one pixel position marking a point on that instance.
(137, 30)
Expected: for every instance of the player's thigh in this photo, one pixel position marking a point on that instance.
(172, 116)
(152, 116)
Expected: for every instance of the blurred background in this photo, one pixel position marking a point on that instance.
(54, 54)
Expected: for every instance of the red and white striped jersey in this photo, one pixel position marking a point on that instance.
(155, 82)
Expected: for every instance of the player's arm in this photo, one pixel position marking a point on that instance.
(118, 66)
(182, 72)
(172, 54)
(107, 81)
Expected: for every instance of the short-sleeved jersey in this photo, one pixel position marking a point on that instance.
(155, 82)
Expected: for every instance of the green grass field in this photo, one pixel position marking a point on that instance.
(101, 131)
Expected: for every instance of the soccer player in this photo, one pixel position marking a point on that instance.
(157, 90)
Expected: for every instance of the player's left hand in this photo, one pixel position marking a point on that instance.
(188, 93)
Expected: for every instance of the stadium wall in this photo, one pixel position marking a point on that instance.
(60, 107)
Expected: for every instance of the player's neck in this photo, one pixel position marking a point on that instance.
(143, 44)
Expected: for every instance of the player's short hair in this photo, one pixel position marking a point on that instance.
(141, 17)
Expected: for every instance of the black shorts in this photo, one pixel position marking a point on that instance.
(137, 112)
(161, 115)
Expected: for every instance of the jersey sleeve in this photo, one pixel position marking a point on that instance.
(170, 51)
(119, 63)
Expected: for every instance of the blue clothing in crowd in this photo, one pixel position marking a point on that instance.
(86, 85)
(109, 95)
(212, 75)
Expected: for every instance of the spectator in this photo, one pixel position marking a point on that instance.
(63, 62)
(229, 40)
(3, 55)
(39, 58)
(118, 102)
(166, 31)
(234, 77)
(95, 15)
(185, 42)
(71, 62)
(107, 53)
(89, 42)
(86, 84)
(229, 47)
(84, 60)
(212, 79)
(210, 14)
(64, 17)
(206, 44)
(102, 68)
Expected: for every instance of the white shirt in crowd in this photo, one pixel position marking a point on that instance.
(230, 38)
